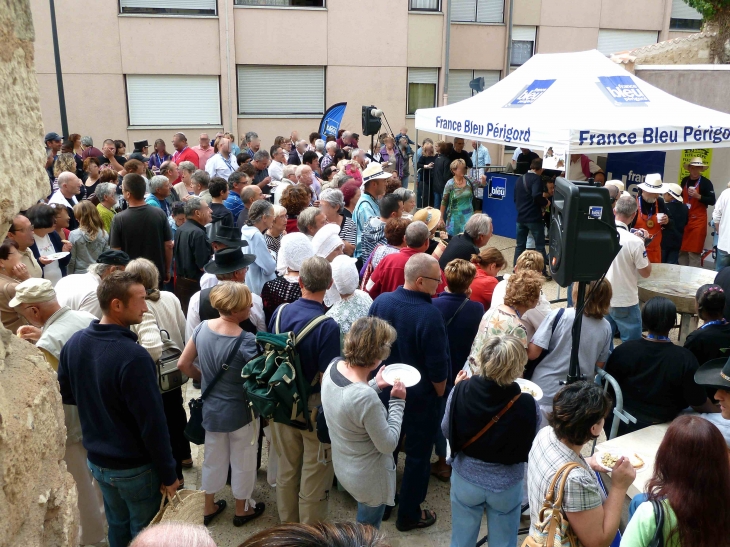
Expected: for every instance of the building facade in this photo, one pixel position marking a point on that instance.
(143, 69)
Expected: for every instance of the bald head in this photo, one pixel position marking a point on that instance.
(174, 534)
(422, 274)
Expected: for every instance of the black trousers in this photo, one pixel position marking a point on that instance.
(172, 402)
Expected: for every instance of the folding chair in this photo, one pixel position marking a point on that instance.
(604, 379)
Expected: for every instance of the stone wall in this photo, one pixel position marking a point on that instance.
(38, 496)
(693, 49)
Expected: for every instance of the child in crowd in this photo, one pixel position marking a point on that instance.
(674, 230)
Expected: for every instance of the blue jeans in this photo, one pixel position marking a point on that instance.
(370, 515)
(468, 503)
(634, 505)
(723, 259)
(131, 499)
(627, 321)
(537, 229)
(437, 197)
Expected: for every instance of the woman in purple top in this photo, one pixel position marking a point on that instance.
(390, 153)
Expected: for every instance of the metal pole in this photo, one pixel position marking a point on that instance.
(59, 74)
(574, 374)
(447, 52)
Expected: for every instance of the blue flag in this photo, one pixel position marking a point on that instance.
(332, 119)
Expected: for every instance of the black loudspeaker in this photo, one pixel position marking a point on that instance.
(583, 237)
(370, 124)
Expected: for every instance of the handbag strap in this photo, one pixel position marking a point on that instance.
(658, 539)
(492, 421)
(225, 366)
(457, 311)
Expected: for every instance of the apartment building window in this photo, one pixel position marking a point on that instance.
(281, 3)
(684, 17)
(425, 5)
(422, 85)
(168, 7)
(459, 82)
(280, 90)
(523, 44)
(173, 100)
(477, 11)
(614, 41)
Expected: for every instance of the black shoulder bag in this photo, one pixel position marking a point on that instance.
(194, 431)
(532, 364)
(658, 539)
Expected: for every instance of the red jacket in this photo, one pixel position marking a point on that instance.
(390, 273)
(482, 288)
(188, 154)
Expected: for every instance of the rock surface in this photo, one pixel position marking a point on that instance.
(38, 496)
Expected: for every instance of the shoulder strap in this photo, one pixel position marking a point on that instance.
(658, 539)
(558, 315)
(278, 318)
(565, 471)
(457, 311)
(492, 422)
(309, 327)
(225, 366)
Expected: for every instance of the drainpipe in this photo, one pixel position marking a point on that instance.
(447, 52)
(234, 128)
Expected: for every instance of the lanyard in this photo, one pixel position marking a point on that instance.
(227, 162)
(516, 312)
(657, 337)
(651, 214)
(715, 322)
(178, 153)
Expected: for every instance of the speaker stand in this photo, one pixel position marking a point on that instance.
(574, 374)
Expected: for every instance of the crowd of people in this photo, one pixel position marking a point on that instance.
(203, 249)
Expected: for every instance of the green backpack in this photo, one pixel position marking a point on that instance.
(274, 382)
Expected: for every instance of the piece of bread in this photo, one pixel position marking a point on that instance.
(636, 461)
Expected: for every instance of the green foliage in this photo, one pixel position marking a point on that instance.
(709, 8)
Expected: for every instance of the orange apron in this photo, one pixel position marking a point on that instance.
(695, 232)
(651, 225)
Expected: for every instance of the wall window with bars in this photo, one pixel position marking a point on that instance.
(424, 5)
(459, 82)
(281, 3)
(281, 90)
(173, 100)
(422, 86)
(167, 7)
(477, 11)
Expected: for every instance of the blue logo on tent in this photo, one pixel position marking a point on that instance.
(497, 187)
(531, 93)
(331, 126)
(623, 89)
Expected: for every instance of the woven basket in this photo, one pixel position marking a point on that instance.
(185, 506)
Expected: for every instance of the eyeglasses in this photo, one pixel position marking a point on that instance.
(431, 278)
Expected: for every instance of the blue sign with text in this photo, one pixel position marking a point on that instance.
(497, 187)
(531, 93)
(632, 167)
(623, 89)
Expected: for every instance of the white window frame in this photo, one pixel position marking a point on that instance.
(523, 34)
(421, 75)
(274, 4)
(477, 11)
(488, 77)
(283, 77)
(169, 8)
(174, 101)
(437, 9)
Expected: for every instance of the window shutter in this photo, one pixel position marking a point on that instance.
(423, 76)
(280, 90)
(680, 10)
(526, 34)
(459, 85)
(490, 11)
(463, 10)
(613, 41)
(170, 4)
(173, 100)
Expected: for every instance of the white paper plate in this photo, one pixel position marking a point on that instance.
(408, 375)
(532, 386)
(57, 256)
(617, 452)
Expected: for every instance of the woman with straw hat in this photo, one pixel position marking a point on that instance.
(698, 193)
(652, 214)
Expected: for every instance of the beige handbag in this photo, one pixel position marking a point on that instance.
(185, 506)
(553, 529)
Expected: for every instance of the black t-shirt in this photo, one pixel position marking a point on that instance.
(121, 160)
(706, 343)
(141, 232)
(656, 379)
(528, 197)
(218, 210)
(259, 176)
(723, 279)
(523, 162)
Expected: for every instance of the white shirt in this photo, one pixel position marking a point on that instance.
(193, 320)
(276, 170)
(516, 154)
(51, 271)
(78, 292)
(723, 241)
(57, 197)
(576, 170)
(216, 166)
(624, 271)
(280, 190)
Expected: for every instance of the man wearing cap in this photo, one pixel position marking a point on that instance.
(21, 231)
(674, 229)
(141, 150)
(183, 153)
(715, 374)
(223, 237)
(53, 146)
(697, 193)
(78, 291)
(652, 214)
(373, 186)
(50, 327)
(204, 150)
(111, 379)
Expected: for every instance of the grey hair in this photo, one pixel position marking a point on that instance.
(341, 178)
(261, 155)
(188, 166)
(418, 266)
(306, 219)
(258, 210)
(356, 152)
(331, 145)
(98, 268)
(302, 142)
(201, 177)
(346, 134)
(174, 534)
(478, 225)
(333, 197)
(157, 182)
(192, 205)
(404, 193)
(316, 274)
(106, 189)
(87, 141)
(289, 170)
(300, 169)
(278, 210)
(625, 206)
(251, 135)
(319, 145)
(417, 233)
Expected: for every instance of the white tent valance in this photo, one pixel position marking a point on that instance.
(579, 101)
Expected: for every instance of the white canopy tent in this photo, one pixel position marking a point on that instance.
(580, 102)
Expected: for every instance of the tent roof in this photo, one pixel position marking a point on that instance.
(583, 101)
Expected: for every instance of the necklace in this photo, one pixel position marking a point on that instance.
(657, 337)
(715, 322)
(516, 312)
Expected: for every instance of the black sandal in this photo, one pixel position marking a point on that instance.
(421, 523)
(258, 510)
(221, 505)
